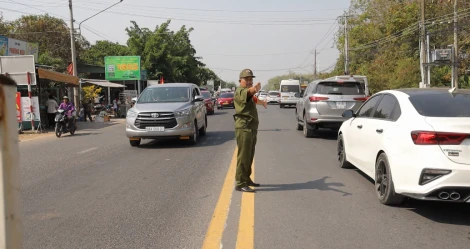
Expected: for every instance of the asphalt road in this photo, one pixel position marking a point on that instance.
(93, 190)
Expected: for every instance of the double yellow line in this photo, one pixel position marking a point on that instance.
(245, 237)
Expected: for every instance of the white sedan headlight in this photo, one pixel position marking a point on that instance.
(183, 113)
(132, 113)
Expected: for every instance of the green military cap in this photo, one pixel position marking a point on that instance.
(246, 73)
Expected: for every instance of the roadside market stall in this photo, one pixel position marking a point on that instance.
(66, 85)
(108, 85)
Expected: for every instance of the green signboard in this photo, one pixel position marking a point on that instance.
(122, 67)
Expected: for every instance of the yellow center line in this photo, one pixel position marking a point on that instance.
(219, 217)
(245, 237)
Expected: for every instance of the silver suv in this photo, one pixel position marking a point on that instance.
(173, 110)
(323, 103)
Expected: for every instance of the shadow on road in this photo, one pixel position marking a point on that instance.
(319, 184)
(213, 138)
(78, 134)
(261, 130)
(97, 126)
(326, 134)
(442, 212)
(218, 112)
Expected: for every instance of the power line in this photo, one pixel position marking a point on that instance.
(37, 9)
(407, 31)
(151, 11)
(254, 55)
(61, 17)
(214, 21)
(234, 11)
(327, 33)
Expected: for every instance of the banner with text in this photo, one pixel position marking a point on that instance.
(25, 107)
(122, 67)
(3, 46)
(17, 47)
(18, 107)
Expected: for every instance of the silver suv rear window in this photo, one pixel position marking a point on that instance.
(337, 88)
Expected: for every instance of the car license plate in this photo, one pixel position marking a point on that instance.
(341, 105)
(155, 128)
(226, 103)
(285, 97)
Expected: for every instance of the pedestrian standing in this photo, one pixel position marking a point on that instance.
(51, 109)
(246, 129)
(87, 110)
(116, 107)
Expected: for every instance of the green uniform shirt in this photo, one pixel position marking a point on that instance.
(246, 114)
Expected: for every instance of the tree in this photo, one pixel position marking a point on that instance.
(383, 41)
(96, 53)
(4, 27)
(231, 84)
(167, 53)
(205, 74)
(52, 35)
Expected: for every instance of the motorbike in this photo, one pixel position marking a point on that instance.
(62, 123)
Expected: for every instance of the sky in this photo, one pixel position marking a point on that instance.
(271, 37)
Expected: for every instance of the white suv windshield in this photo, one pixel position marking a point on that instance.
(290, 88)
(164, 94)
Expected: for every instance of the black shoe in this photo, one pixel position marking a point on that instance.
(254, 184)
(245, 189)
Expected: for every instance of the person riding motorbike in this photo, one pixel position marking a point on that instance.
(68, 107)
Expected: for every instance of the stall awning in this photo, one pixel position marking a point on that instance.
(59, 77)
(103, 83)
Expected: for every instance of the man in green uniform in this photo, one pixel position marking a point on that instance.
(246, 128)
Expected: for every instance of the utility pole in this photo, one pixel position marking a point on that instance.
(428, 58)
(72, 44)
(455, 67)
(11, 223)
(346, 45)
(315, 65)
(423, 45)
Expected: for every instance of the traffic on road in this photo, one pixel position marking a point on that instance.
(209, 124)
(314, 191)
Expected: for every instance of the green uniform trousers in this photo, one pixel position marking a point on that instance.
(246, 142)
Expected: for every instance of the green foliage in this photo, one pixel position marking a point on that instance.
(393, 62)
(273, 83)
(96, 53)
(164, 52)
(168, 53)
(52, 35)
(230, 84)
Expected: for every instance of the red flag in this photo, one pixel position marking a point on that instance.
(70, 69)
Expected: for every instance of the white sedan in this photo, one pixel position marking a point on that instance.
(262, 96)
(413, 142)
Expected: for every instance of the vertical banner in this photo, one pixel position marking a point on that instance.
(3, 46)
(25, 108)
(18, 107)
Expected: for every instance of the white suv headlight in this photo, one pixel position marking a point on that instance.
(182, 113)
(132, 114)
